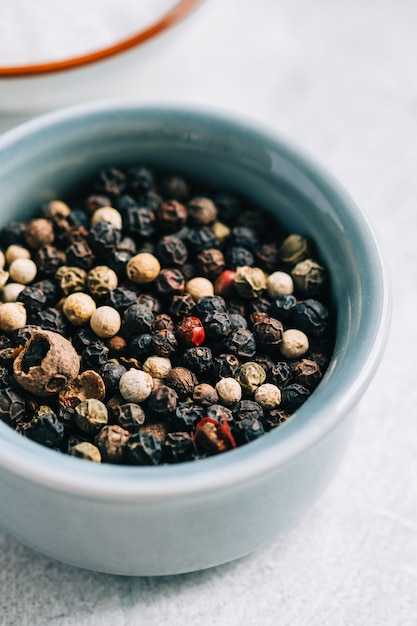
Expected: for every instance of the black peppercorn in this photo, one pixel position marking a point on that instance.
(111, 374)
(120, 298)
(225, 366)
(162, 402)
(129, 416)
(170, 282)
(33, 298)
(199, 239)
(182, 380)
(171, 215)
(244, 237)
(307, 373)
(144, 448)
(268, 334)
(140, 221)
(103, 238)
(5, 376)
(174, 187)
(211, 263)
(164, 343)
(220, 413)
(46, 429)
(171, 250)
(48, 259)
(138, 318)
(163, 322)
(12, 405)
(78, 217)
(283, 307)
(181, 306)
(201, 211)
(112, 441)
(51, 319)
(79, 254)
(198, 360)
(110, 181)
(208, 305)
(178, 447)
(237, 256)
(205, 394)
(293, 396)
(274, 418)
(281, 374)
(140, 179)
(310, 316)
(186, 416)
(247, 430)
(12, 233)
(237, 321)
(228, 206)
(94, 356)
(241, 343)
(267, 257)
(139, 346)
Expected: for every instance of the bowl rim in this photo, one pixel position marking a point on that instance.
(173, 16)
(308, 425)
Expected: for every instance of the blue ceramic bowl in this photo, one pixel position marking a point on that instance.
(172, 519)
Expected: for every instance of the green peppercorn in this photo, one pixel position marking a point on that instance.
(91, 415)
(250, 376)
(308, 277)
(250, 282)
(294, 248)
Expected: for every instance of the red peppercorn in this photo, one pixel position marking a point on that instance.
(190, 332)
(224, 284)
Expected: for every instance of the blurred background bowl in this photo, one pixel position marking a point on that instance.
(118, 70)
(173, 519)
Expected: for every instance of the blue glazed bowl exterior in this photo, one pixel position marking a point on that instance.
(173, 519)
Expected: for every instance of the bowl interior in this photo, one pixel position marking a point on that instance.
(50, 157)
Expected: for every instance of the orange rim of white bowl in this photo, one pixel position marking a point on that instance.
(172, 17)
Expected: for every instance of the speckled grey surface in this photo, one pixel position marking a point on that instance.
(338, 78)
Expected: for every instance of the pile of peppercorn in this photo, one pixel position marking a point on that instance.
(154, 321)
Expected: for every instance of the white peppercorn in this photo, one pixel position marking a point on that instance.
(2, 260)
(157, 366)
(12, 316)
(10, 292)
(229, 391)
(268, 396)
(23, 271)
(105, 322)
(199, 287)
(14, 252)
(143, 268)
(279, 284)
(135, 385)
(107, 214)
(294, 343)
(78, 308)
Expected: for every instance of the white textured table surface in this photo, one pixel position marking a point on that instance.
(340, 79)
